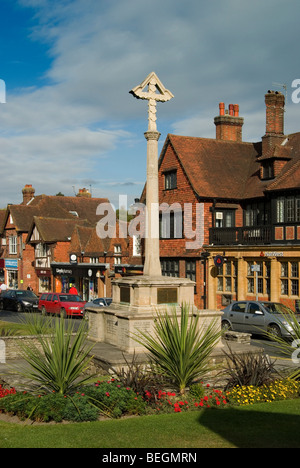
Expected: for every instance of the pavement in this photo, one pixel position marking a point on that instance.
(105, 357)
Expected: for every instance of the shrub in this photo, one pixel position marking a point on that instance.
(114, 399)
(87, 404)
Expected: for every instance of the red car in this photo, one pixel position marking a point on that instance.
(64, 304)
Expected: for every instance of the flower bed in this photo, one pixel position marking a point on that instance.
(278, 390)
(114, 400)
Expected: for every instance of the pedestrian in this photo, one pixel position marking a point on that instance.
(73, 289)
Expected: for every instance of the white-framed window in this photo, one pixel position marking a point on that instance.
(117, 249)
(13, 245)
(94, 260)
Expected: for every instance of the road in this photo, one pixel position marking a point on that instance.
(19, 317)
(282, 361)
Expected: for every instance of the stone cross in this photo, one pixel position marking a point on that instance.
(152, 90)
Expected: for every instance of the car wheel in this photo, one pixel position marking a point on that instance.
(63, 313)
(43, 311)
(19, 307)
(226, 326)
(274, 331)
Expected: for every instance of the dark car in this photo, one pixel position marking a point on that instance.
(258, 317)
(63, 304)
(19, 300)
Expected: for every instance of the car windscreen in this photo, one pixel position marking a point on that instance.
(26, 294)
(277, 308)
(70, 298)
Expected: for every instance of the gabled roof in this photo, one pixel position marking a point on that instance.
(54, 229)
(289, 178)
(217, 168)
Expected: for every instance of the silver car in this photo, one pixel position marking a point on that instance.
(99, 302)
(258, 317)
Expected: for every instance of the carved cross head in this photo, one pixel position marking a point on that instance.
(153, 91)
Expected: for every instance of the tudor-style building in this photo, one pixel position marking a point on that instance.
(248, 200)
(49, 242)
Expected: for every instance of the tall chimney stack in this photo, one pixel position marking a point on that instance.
(275, 102)
(229, 124)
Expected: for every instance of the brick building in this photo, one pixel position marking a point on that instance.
(49, 242)
(232, 208)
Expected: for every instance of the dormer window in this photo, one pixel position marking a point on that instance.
(268, 170)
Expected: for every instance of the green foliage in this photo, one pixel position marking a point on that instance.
(180, 349)
(197, 390)
(87, 404)
(59, 360)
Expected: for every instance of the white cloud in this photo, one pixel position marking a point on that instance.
(204, 52)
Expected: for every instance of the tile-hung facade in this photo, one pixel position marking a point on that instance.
(248, 201)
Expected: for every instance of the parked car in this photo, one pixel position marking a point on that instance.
(63, 304)
(19, 300)
(258, 317)
(99, 302)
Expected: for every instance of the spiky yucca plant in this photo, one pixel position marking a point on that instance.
(58, 360)
(180, 349)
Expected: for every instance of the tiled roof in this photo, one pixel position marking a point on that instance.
(217, 168)
(289, 178)
(54, 207)
(55, 229)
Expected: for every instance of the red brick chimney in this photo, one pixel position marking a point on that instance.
(84, 193)
(228, 123)
(274, 120)
(28, 194)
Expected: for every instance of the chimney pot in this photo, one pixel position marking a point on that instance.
(230, 109)
(236, 108)
(222, 108)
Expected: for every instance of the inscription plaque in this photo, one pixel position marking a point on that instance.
(125, 294)
(167, 295)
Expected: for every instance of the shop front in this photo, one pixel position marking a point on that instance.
(44, 280)
(264, 274)
(11, 269)
(90, 279)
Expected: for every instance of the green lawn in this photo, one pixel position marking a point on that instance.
(269, 425)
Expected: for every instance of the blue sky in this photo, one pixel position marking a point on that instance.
(69, 121)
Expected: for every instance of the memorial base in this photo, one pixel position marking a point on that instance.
(136, 301)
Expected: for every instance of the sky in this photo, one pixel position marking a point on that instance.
(68, 120)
